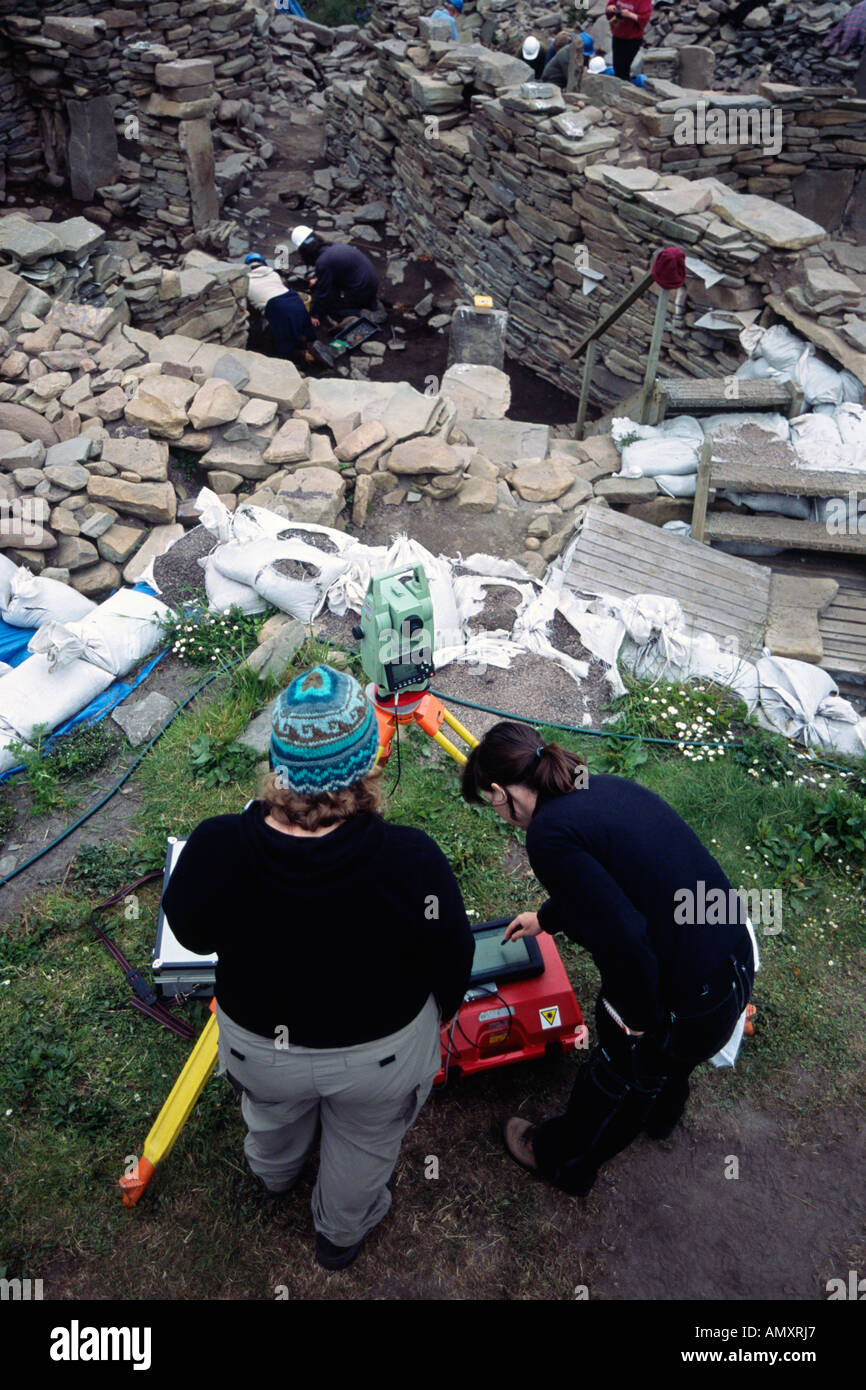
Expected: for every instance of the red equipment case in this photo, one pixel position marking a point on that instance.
(522, 1021)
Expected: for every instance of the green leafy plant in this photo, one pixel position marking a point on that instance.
(217, 762)
(42, 776)
(84, 750)
(7, 816)
(106, 867)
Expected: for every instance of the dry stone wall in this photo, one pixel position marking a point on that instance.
(78, 91)
(554, 203)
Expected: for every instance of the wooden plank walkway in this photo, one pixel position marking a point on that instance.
(765, 528)
(720, 594)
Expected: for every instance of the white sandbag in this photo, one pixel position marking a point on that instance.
(819, 445)
(214, 515)
(754, 369)
(800, 508)
(224, 594)
(726, 423)
(621, 427)
(676, 485)
(781, 349)
(7, 759)
(59, 645)
(648, 457)
(850, 420)
(32, 695)
(682, 427)
(34, 601)
(852, 389)
(404, 553)
(470, 593)
(7, 570)
(791, 696)
(820, 382)
(121, 632)
(254, 563)
(679, 528)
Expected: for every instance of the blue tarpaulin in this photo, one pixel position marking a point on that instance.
(13, 650)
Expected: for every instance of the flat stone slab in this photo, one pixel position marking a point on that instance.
(768, 222)
(477, 391)
(86, 320)
(27, 241)
(157, 543)
(143, 720)
(506, 441)
(146, 457)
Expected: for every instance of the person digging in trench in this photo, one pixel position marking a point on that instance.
(618, 864)
(345, 282)
(342, 944)
(291, 327)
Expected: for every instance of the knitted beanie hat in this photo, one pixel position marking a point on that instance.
(324, 733)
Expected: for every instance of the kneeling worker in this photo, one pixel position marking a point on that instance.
(345, 280)
(342, 939)
(289, 322)
(620, 867)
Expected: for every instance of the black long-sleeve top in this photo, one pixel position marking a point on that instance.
(339, 938)
(343, 273)
(616, 861)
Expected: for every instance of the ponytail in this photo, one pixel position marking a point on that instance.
(511, 755)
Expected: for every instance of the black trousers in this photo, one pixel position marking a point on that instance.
(628, 1083)
(624, 54)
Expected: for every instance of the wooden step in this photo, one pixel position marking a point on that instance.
(741, 476)
(768, 529)
(691, 396)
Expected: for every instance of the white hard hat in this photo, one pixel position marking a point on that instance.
(299, 235)
(531, 48)
(597, 64)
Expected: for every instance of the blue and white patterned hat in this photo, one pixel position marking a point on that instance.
(324, 732)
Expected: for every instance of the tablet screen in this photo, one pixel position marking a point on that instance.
(490, 955)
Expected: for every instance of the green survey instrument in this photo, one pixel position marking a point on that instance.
(396, 631)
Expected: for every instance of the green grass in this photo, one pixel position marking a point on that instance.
(83, 1075)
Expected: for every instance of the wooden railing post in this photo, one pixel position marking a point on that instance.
(588, 368)
(702, 489)
(652, 361)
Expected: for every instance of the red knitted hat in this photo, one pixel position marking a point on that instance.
(669, 268)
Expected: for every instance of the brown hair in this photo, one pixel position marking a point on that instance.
(512, 754)
(562, 38)
(326, 808)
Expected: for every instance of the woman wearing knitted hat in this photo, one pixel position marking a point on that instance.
(342, 942)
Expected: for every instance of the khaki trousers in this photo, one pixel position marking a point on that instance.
(358, 1101)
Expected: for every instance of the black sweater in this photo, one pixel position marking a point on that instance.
(338, 938)
(613, 857)
(343, 273)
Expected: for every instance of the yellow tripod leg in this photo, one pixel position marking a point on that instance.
(449, 747)
(174, 1113)
(459, 729)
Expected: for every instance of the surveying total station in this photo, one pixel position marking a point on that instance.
(519, 1005)
(396, 636)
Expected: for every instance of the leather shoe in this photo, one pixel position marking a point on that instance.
(518, 1141)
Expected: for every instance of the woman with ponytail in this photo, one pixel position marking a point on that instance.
(630, 881)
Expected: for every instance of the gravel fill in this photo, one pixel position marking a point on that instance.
(313, 538)
(296, 569)
(179, 575)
